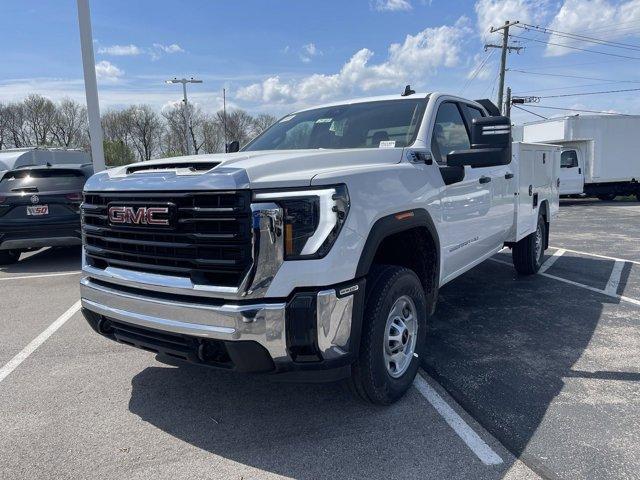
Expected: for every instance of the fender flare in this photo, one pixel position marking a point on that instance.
(390, 225)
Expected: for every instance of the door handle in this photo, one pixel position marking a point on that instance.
(508, 176)
(484, 179)
(579, 171)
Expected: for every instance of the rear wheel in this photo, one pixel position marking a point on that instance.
(8, 257)
(529, 252)
(393, 333)
(607, 197)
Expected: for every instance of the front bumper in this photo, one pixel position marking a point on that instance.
(312, 331)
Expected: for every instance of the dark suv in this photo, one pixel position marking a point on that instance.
(40, 207)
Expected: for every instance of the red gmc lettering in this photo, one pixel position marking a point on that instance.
(140, 216)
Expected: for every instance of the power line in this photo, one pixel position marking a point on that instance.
(577, 48)
(529, 111)
(599, 84)
(579, 110)
(591, 93)
(580, 77)
(477, 70)
(576, 36)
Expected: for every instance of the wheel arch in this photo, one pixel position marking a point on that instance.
(395, 239)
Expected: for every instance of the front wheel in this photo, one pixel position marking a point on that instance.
(529, 252)
(7, 257)
(393, 334)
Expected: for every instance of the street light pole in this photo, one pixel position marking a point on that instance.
(90, 85)
(187, 122)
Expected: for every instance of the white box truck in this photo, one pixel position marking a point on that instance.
(600, 157)
(316, 251)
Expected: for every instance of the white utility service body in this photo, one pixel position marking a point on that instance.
(318, 250)
(600, 157)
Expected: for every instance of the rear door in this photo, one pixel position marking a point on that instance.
(41, 195)
(571, 172)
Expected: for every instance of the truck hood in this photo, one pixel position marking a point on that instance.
(241, 170)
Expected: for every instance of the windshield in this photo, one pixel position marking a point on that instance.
(383, 124)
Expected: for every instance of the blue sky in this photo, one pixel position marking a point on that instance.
(276, 56)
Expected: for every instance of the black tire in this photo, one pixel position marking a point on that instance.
(7, 257)
(607, 197)
(527, 257)
(370, 377)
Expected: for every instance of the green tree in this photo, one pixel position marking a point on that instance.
(117, 153)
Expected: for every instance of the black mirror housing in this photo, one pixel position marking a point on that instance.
(490, 144)
(491, 132)
(233, 147)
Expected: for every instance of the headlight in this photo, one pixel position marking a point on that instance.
(313, 219)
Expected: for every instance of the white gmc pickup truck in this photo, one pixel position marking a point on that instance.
(317, 251)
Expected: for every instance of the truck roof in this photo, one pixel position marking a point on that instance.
(383, 98)
(379, 98)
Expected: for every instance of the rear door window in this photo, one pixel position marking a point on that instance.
(42, 180)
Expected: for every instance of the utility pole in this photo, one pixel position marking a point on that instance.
(507, 105)
(187, 122)
(503, 59)
(90, 85)
(224, 118)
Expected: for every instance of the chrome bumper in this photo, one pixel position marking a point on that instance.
(264, 323)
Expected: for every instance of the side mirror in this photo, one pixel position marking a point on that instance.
(233, 147)
(490, 144)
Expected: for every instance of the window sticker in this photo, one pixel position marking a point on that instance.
(324, 120)
(387, 144)
(287, 118)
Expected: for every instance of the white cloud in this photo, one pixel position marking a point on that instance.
(582, 16)
(493, 13)
(391, 5)
(412, 61)
(309, 51)
(173, 48)
(120, 50)
(107, 71)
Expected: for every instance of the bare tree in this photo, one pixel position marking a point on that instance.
(146, 130)
(39, 119)
(239, 125)
(175, 135)
(4, 126)
(14, 114)
(70, 124)
(262, 122)
(213, 134)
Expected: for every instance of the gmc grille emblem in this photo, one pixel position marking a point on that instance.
(121, 215)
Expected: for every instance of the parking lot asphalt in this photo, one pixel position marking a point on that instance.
(544, 371)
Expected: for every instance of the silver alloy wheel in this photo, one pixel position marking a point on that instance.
(539, 241)
(400, 336)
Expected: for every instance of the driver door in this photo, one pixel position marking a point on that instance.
(466, 205)
(571, 172)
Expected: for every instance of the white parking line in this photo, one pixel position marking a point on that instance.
(478, 446)
(600, 256)
(552, 259)
(22, 277)
(36, 342)
(614, 278)
(581, 285)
